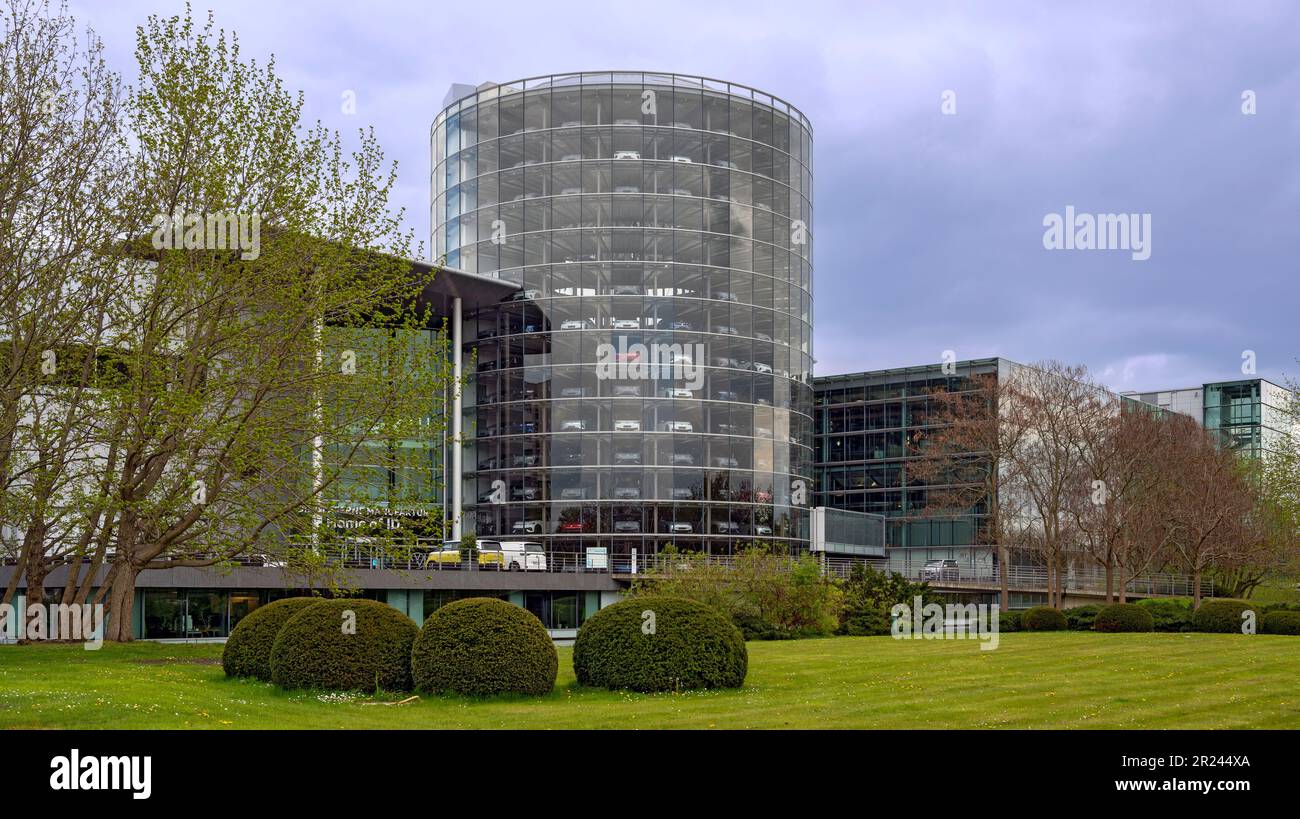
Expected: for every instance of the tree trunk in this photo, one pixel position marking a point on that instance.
(1110, 579)
(1051, 582)
(35, 587)
(1196, 588)
(1123, 585)
(121, 603)
(1004, 582)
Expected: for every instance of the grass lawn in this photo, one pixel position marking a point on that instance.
(1059, 680)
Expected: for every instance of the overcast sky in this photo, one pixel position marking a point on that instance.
(928, 227)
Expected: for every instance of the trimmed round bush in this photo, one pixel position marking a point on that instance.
(1280, 622)
(659, 644)
(248, 650)
(1009, 620)
(483, 646)
(1043, 618)
(317, 648)
(1123, 617)
(1220, 616)
(1169, 614)
(1081, 618)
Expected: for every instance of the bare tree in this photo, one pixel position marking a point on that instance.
(1207, 505)
(1048, 402)
(960, 461)
(1122, 445)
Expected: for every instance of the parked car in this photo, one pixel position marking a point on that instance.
(625, 324)
(573, 493)
(523, 555)
(627, 391)
(577, 324)
(680, 158)
(724, 527)
(762, 530)
(624, 527)
(573, 425)
(940, 570)
(627, 426)
(627, 154)
(678, 392)
(449, 556)
(573, 392)
(678, 426)
(527, 527)
(627, 492)
(627, 457)
(678, 527)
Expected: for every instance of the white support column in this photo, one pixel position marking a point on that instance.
(457, 468)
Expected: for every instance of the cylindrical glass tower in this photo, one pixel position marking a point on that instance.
(652, 382)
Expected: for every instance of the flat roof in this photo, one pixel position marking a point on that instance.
(448, 283)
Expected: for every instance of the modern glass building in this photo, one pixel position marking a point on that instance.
(1249, 415)
(863, 424)
(651, 384)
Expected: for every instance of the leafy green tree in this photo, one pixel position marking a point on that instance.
(252, 350)
(870, 593)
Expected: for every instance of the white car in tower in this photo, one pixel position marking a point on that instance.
(523, 555)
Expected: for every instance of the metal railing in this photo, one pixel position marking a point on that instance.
(424, 556)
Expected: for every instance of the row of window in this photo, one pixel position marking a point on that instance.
(628, 220)
(622, 106)
(623, 520)
(207, 613)
(564, 248)
(657, 294)
(690, 151)
(828, 395)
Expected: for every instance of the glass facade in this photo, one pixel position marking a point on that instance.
(863, 424)
(1249, 416)
(652, 384)
(391, 485)
(197, 613)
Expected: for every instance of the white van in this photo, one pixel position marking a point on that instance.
(523, 555)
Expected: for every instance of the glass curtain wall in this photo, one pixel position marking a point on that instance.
(652, 384)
